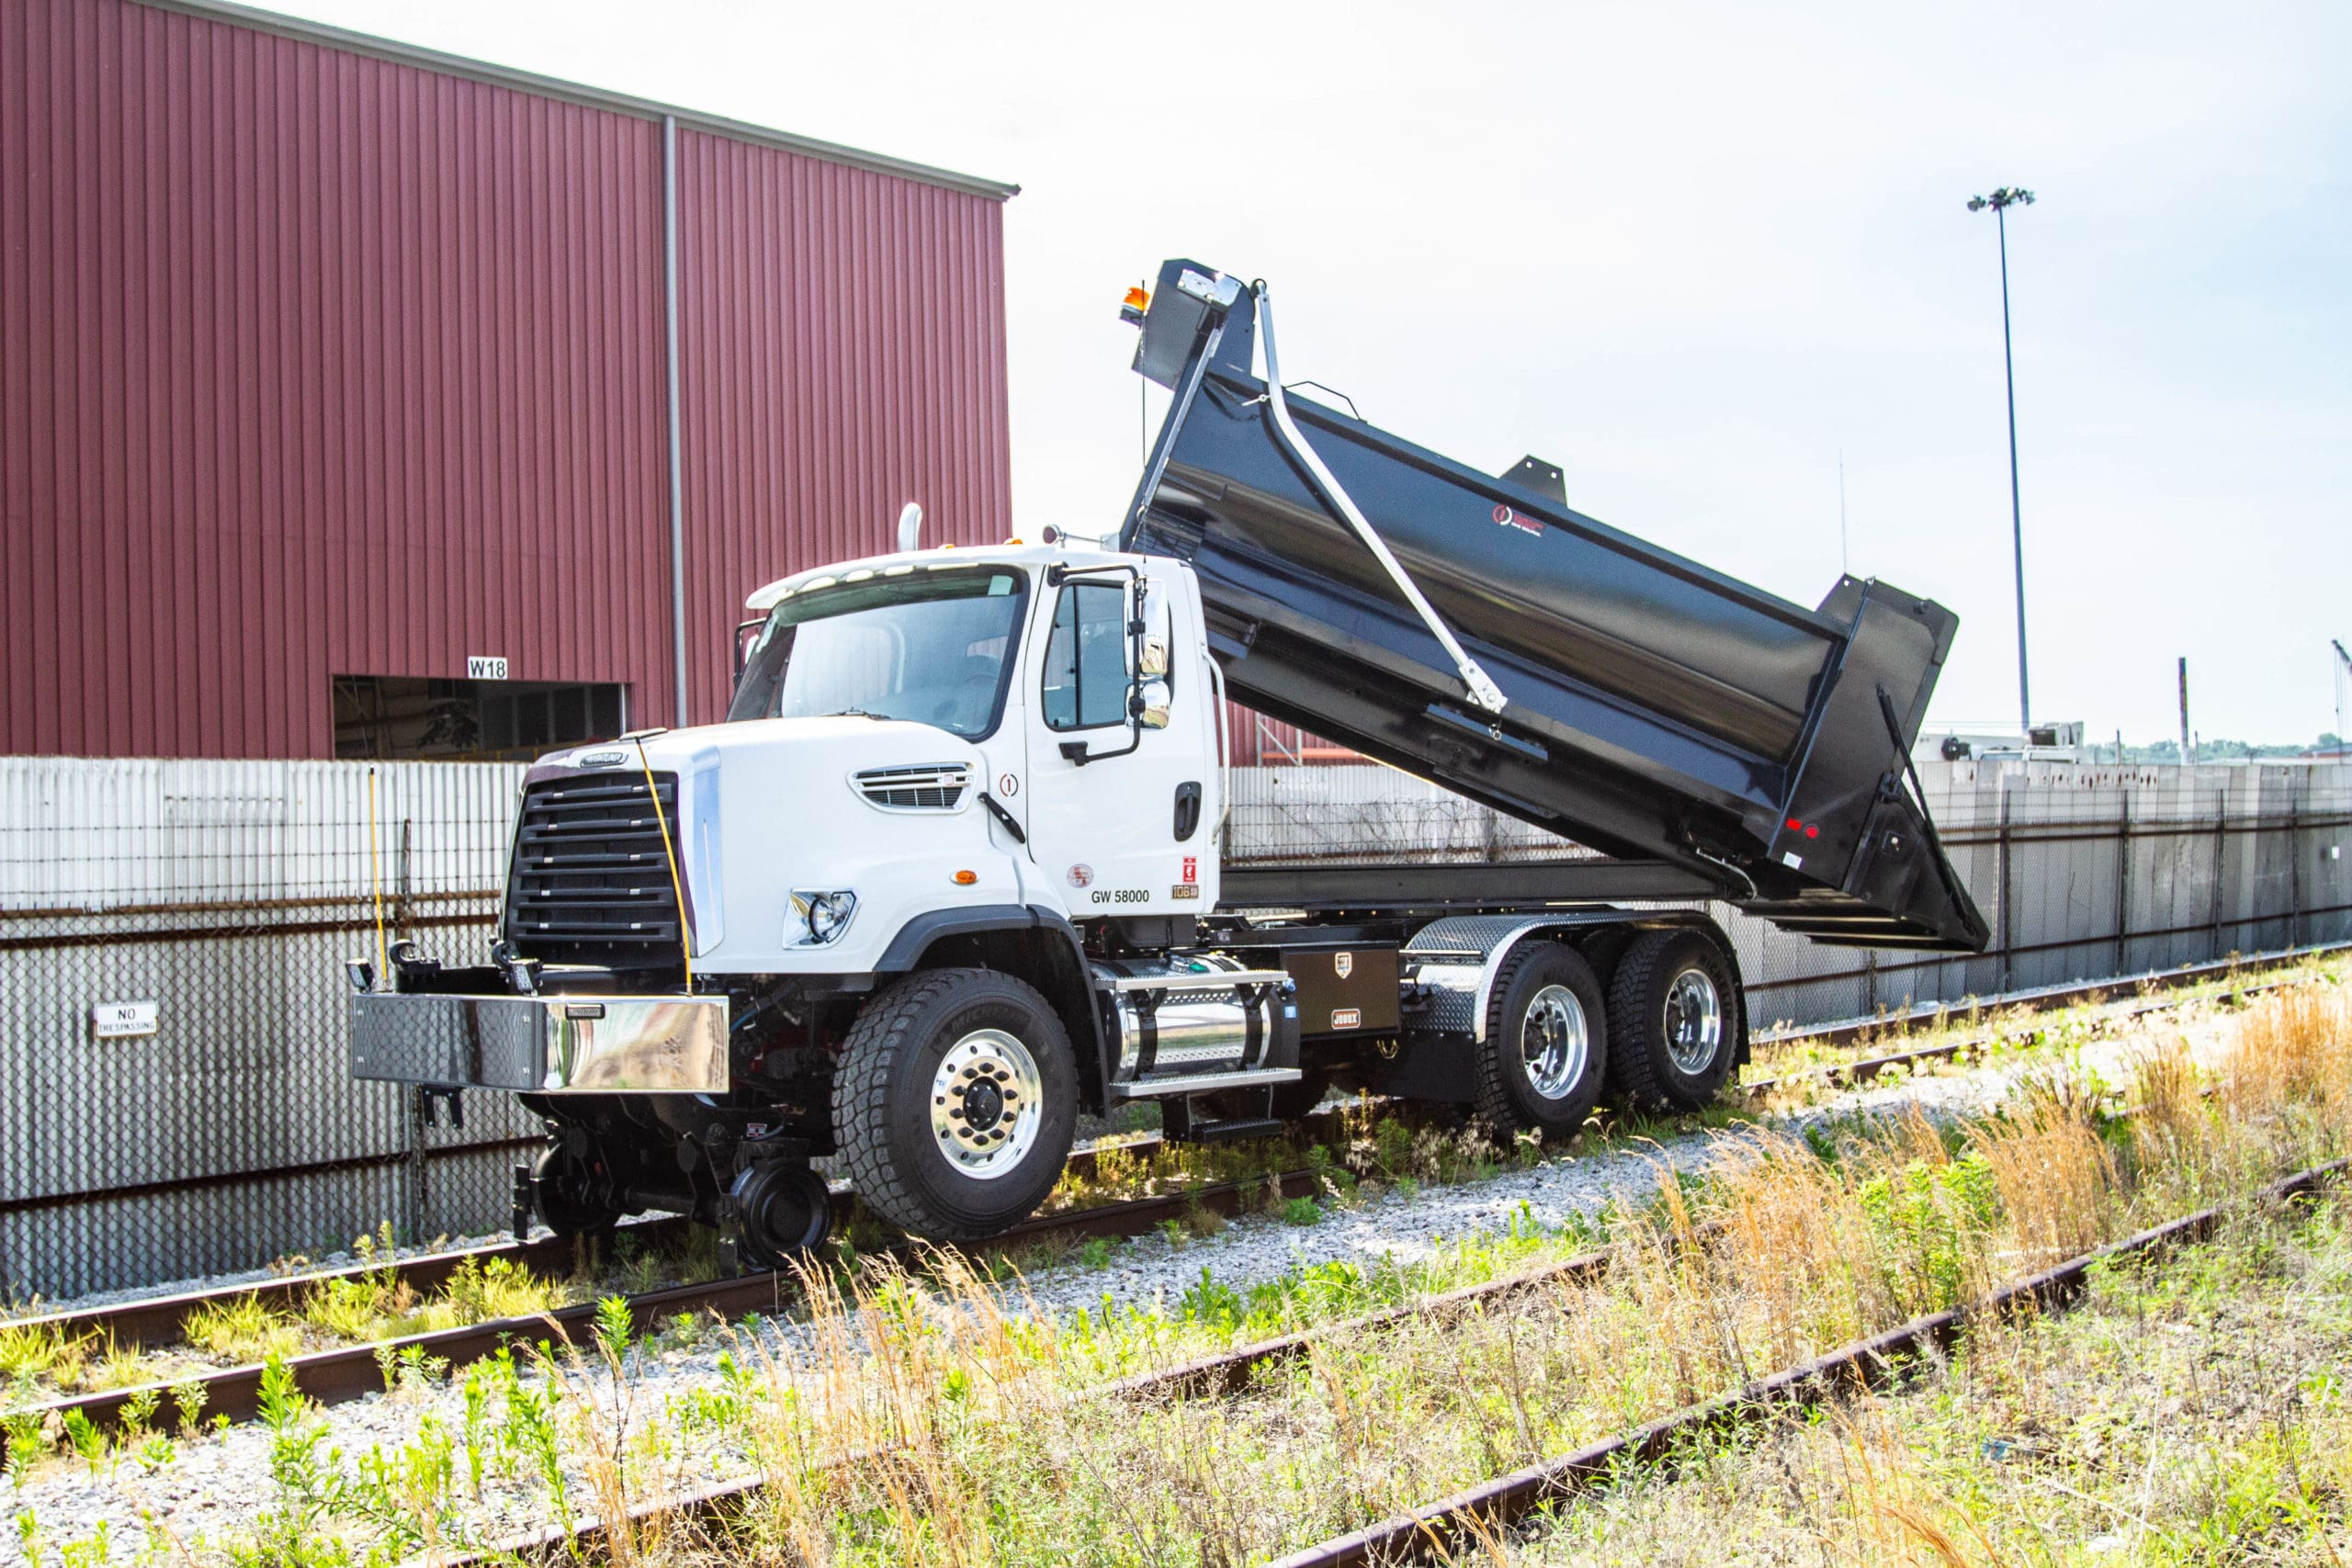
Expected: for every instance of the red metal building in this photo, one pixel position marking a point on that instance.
(329, 365)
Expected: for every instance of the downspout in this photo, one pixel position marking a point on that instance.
(677, 469)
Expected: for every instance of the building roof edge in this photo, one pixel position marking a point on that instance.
(396, 52)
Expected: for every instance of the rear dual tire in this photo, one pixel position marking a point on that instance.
(1663, 1038)
(1676, 1011)
(1546, 1050)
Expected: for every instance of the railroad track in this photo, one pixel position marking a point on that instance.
(1870, 1067)
(1460, 1523)
(348, 1372)
(1456, 1524)
(344, 1373)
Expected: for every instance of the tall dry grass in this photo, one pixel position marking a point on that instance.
(2055, 1173)
(940, 1418)
(2292, 1053)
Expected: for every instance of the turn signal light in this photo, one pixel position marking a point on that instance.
(1138, 300)
(965, 878)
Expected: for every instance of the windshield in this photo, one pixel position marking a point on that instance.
(930, 645)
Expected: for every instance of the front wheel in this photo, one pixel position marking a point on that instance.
(955, 1102)
(1547, 1043)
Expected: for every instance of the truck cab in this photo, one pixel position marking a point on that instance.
(915, 739)
(954, 789)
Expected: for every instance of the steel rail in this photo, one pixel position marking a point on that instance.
(2044, 997)
(1870, 1067)
(158, 1321)
(161, 1320)
(348, 1372)
(1231, 1371)
(2039, 997)
(1207, 1377)
(1455, 1521)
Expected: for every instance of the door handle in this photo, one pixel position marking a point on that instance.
(1188, 811)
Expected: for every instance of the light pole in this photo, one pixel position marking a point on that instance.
(2000, 202)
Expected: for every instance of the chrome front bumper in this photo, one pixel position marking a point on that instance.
(542, 1044)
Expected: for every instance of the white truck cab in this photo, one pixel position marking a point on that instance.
(947, 847)
(944, 730)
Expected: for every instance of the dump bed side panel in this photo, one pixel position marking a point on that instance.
(1656, 710)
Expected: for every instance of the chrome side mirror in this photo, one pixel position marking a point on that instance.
(1151, 703)
(1152, 660)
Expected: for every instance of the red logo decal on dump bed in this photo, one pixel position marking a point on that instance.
(1509, 519)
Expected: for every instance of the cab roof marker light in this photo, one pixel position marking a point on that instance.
(860, 575)
(903, 570)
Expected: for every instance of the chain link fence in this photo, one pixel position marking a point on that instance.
(2084, 872)
(227, 894)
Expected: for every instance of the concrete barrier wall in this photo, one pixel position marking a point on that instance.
(227, 893)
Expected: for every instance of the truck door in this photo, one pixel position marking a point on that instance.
(1120, 814)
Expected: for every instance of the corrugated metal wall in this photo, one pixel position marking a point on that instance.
(843, 338)
(227, 893)
(314, 362)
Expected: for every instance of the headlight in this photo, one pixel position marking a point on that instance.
(816, 918)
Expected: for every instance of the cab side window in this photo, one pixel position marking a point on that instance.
(1086, 658)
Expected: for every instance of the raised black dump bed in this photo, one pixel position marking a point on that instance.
(1716, 741)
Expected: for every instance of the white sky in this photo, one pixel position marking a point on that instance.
(1690, 252)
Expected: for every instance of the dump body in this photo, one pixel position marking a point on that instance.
(1656, 710)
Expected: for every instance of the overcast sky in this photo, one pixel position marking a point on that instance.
(1692, 253)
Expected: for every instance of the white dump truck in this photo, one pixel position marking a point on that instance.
(947, 875)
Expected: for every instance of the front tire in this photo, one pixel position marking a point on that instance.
(954, 1103)
(1675, 1011)
(1546, 1049)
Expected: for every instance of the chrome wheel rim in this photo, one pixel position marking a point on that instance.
(1554, 1042)
(1694, 1021)
(987, 1100)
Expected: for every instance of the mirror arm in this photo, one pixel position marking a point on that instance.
(742, 658)
(1076, 751)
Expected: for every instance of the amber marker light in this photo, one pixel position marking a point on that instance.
(965, 878)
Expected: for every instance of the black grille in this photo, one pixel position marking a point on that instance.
(590, 883)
